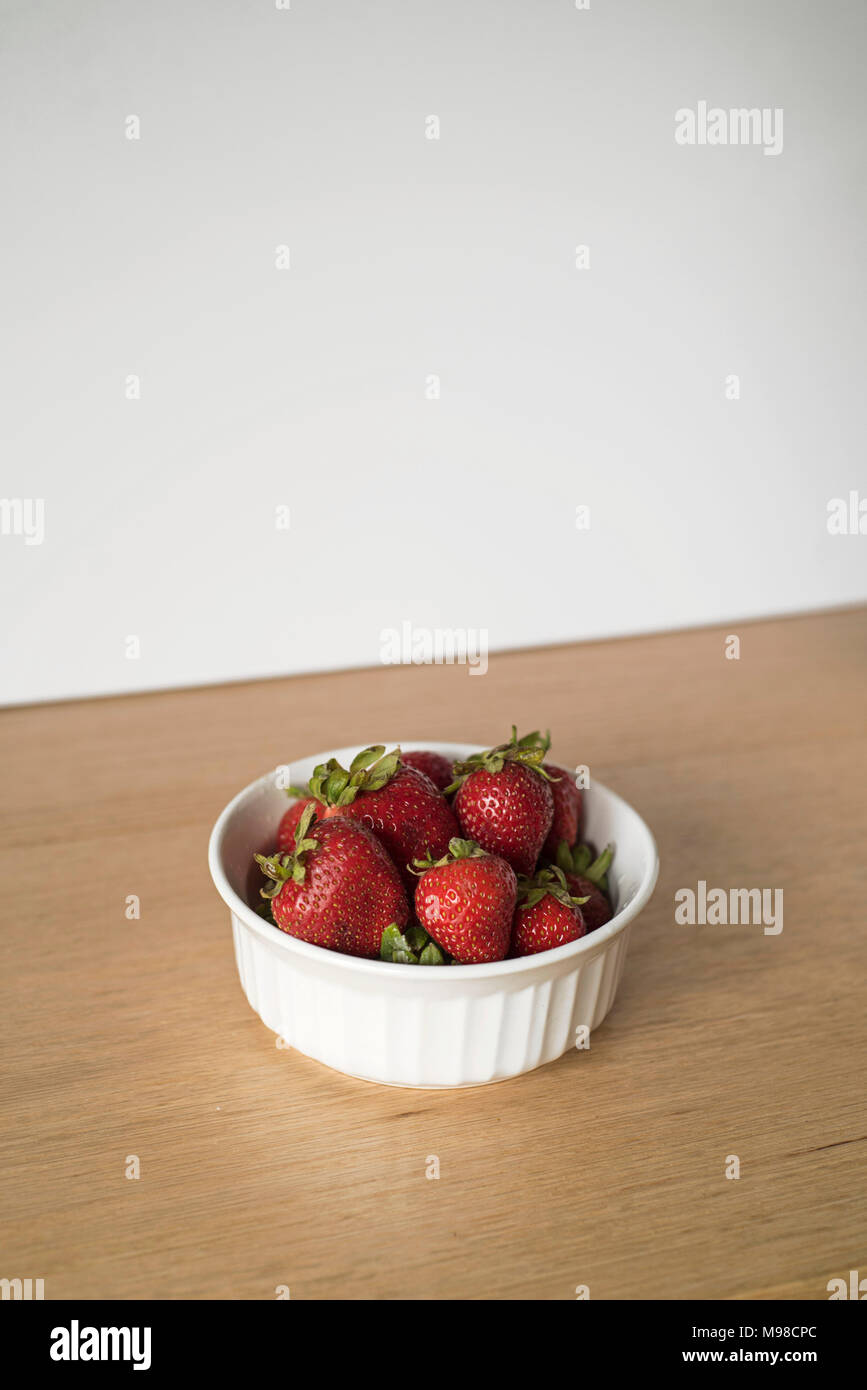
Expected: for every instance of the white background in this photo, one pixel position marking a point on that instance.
(560, 387)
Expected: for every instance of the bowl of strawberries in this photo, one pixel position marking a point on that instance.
(432, 914)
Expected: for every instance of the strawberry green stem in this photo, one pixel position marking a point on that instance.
(412, 947)
(551, 881)
(577, 860)
(279, 868)
(597, 872)
(458, 849)
(369, 770)
(530, 751)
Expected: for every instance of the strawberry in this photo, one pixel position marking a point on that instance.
(438, 768)
(466, 901)
(567, 810)
(289, 820)
(548, 914)
(337, 888)
(588, 880)
(401, 805)
(504, 800)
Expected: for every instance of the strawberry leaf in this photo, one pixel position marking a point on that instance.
(391, 936)
(277, 869)
(565, 859)
(367, 756)
(414, 947)
(402, 955)
(335, 785)
(416, 937)
(376, 781)
(581, 856)
(597, 872)
(431, 955)
(551, 880)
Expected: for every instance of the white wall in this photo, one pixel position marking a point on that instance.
(306, 387)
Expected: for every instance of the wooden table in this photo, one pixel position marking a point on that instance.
(260, 1168)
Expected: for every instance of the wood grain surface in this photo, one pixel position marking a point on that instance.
(260, 1168)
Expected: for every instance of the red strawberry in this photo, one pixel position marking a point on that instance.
(401, 805)
(337, 888)
(547, 915)
(567, 810)
(587, 878)
(437, 768)
(289, 820)
(504, 800)
(466, 901)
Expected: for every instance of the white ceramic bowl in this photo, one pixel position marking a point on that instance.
(430, 1026)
